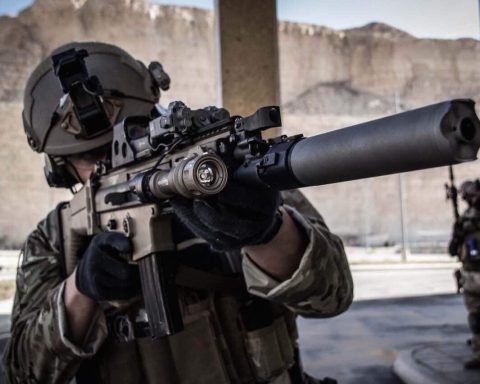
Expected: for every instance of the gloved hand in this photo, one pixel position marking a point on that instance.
(103, 272)
(239, 215)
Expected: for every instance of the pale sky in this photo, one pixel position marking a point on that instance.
(444, 19)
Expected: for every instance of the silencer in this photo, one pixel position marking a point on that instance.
(436, 135)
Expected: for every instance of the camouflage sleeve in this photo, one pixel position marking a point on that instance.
(322, 285)
(39, 350)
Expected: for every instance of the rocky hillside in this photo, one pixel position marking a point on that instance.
(329, 79)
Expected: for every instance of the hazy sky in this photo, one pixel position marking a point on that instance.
(445, 19)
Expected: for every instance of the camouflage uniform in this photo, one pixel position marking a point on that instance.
(467, 243)
(220, 343)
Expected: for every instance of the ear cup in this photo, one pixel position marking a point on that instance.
(57, 174)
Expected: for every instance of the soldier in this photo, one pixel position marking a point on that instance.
(272, 258)
(465, 244)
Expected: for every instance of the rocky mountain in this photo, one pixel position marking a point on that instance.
(329, 79)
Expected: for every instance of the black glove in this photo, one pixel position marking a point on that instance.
(239, 215)
(103, 272)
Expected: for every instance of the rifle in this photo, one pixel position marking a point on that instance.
(452, 193)
(194, 153)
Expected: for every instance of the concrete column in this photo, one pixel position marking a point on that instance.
(247, 52)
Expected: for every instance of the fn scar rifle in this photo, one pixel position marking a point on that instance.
(194, 153)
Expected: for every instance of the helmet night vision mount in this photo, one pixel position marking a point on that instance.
(84, 91)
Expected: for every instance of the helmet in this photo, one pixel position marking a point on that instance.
(470, 190)
(74, 97)
(50, 124)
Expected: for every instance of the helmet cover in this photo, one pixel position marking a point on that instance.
(49, 121)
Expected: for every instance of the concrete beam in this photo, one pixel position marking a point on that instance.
(247, 52)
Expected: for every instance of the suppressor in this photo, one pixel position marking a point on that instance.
(436, 135)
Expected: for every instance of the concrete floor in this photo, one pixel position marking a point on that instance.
(436, 363)
(396, 307)
(360, 346)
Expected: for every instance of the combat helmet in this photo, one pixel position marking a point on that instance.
(75, 96)
(470, 191)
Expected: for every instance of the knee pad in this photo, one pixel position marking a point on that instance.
(474, 322)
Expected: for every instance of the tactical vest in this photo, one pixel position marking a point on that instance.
(221, 343)
(469, 252)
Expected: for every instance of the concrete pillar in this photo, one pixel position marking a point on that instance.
(247, 52)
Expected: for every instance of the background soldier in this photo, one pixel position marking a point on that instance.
(465, 244)
(255, 259)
